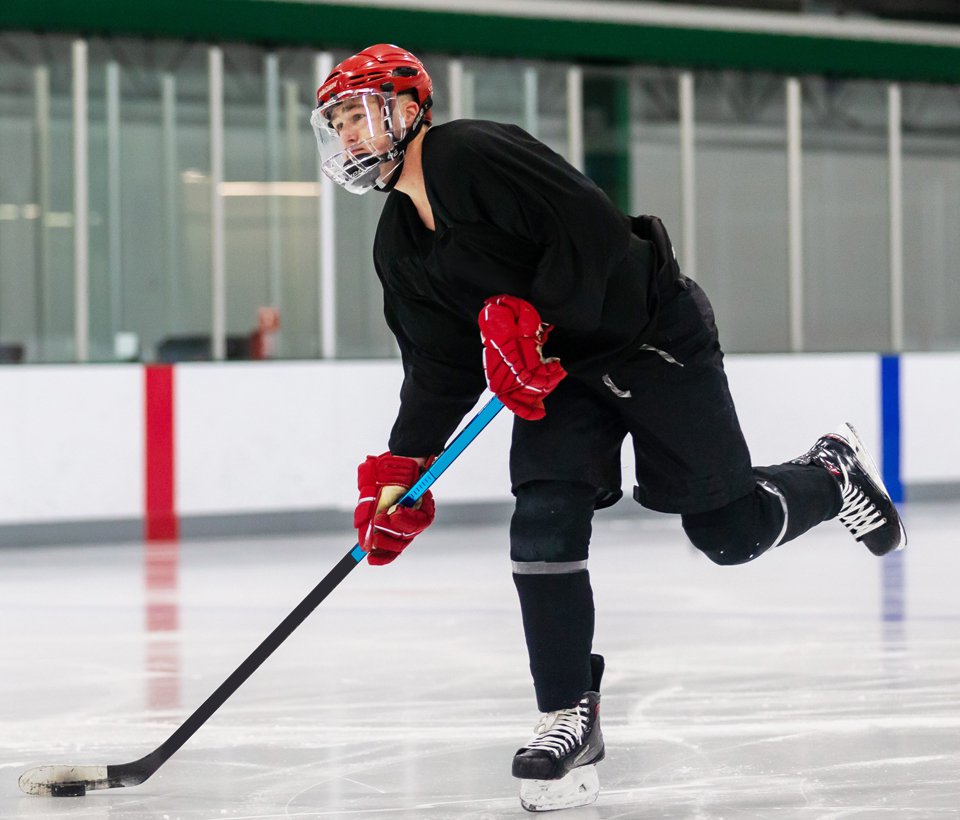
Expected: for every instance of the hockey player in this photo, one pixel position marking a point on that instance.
(502, 265)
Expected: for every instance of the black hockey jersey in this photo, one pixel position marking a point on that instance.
(512, 216)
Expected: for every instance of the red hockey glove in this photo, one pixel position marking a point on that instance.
(513, 339)
(385, 529)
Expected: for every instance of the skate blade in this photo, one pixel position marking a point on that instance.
(849, 434)
(579, 787)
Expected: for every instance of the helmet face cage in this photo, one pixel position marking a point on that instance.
(358, 134)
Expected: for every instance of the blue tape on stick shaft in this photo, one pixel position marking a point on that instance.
(444, 460)
(357, 553)
(453, 449)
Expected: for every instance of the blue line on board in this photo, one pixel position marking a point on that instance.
(890, 425)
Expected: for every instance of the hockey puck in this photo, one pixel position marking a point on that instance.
(68, 790)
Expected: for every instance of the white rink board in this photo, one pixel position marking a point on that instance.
(785, 402)
(290, 435)
(930, 442)
(284, 436)
(71, 443)
(253, 438)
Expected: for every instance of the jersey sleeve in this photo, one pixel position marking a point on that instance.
(442, 373)
(507, 178)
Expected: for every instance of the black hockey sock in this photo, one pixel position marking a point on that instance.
(549, 541)
(558, 621)
(811, 494)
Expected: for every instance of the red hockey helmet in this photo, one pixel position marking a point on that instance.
(360, 134)
(373, 68)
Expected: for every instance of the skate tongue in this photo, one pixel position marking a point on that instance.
(546, 722)
(550, 720)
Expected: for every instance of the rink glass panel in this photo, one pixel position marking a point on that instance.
(150, 225)
(271, 229)
(654, 158)
(741, 203)
(931, 216)
(846, 254)
(36, 196)
(148, 194)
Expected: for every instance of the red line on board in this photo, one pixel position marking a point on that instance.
(161, 522)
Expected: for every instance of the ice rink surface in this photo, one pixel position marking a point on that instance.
(816, 682)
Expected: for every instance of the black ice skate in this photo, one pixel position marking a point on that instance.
(867, 511)
(557, 767)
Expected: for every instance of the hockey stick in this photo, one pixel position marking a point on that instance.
(73, 781)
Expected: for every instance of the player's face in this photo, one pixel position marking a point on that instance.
(359, 125)
(357, 138)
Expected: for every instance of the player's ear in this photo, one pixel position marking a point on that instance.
(408, 110)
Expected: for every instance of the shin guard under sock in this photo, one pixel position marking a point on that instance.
(558, 620)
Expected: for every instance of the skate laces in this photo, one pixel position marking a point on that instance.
(858, 513)
(561, 732)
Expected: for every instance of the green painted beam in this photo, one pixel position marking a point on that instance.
(322, 25)
(607, 148)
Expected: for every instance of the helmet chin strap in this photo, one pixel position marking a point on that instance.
(385, 186)
(388, 184)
